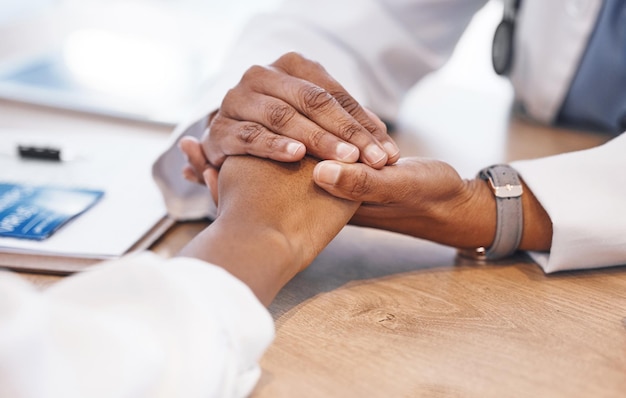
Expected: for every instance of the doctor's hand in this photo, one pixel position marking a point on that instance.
(294, 107)
(428, 199)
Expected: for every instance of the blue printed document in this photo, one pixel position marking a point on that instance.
(36, 212)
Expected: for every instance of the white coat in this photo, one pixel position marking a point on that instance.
(140, 326)
(378, 49)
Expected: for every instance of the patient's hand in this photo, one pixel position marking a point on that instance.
(272, 222)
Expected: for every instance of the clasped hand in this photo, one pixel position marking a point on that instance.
(293, 107)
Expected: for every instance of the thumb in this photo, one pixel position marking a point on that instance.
(353, 181)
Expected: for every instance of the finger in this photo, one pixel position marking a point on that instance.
(189, 173)
(356, 181)
(227, 137)
(279, 117)
(381, 134)
(298, 66)
(195, 156)
(321, 107)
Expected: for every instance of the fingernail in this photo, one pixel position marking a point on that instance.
(293, 148)
(374, 154)
(346, 152)
(328, 173)
(391, 149)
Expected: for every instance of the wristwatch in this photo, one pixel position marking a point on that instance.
(507, 189)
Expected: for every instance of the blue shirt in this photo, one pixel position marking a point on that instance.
(597, 96)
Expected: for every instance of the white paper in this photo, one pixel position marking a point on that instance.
(116, 163)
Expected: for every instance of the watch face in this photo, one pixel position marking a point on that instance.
(502, 50)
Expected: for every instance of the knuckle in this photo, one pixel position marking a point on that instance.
(373, 127)
(254, 72)
(347, 131)
(214, 132)
(315, 138)
(214, 140)
(291, 56)
(232, 92)
(250, 133)
(271, 142)
(229, 99)
(361, 184)
(278, 115)
(288, 59)
(346, 101)
(315, 99)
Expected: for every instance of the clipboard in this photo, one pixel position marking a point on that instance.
(129, 217)
(65, 265)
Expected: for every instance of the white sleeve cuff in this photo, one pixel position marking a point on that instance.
(584, 194)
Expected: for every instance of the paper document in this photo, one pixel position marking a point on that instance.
(118, 164)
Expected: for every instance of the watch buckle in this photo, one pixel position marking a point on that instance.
(506, 191)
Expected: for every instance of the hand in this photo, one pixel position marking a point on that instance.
(261, 246)
(293, 107)
(198, 170)
(428, 199)
(419, 197)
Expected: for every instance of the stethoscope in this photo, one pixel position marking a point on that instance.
(502, 48)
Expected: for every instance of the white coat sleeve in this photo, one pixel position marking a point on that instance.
(377, 49)
(138, 327)
(584, 193)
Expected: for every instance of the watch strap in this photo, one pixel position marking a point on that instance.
(507, 190)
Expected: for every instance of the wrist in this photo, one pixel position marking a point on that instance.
(477, 215)
(507, 191)
(520, 220)
(274, 238)
(259, 256)
(537, 224)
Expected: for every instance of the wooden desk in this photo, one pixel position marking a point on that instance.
(383, 315)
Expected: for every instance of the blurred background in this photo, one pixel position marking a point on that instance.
(149, 59)
(143, 59)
